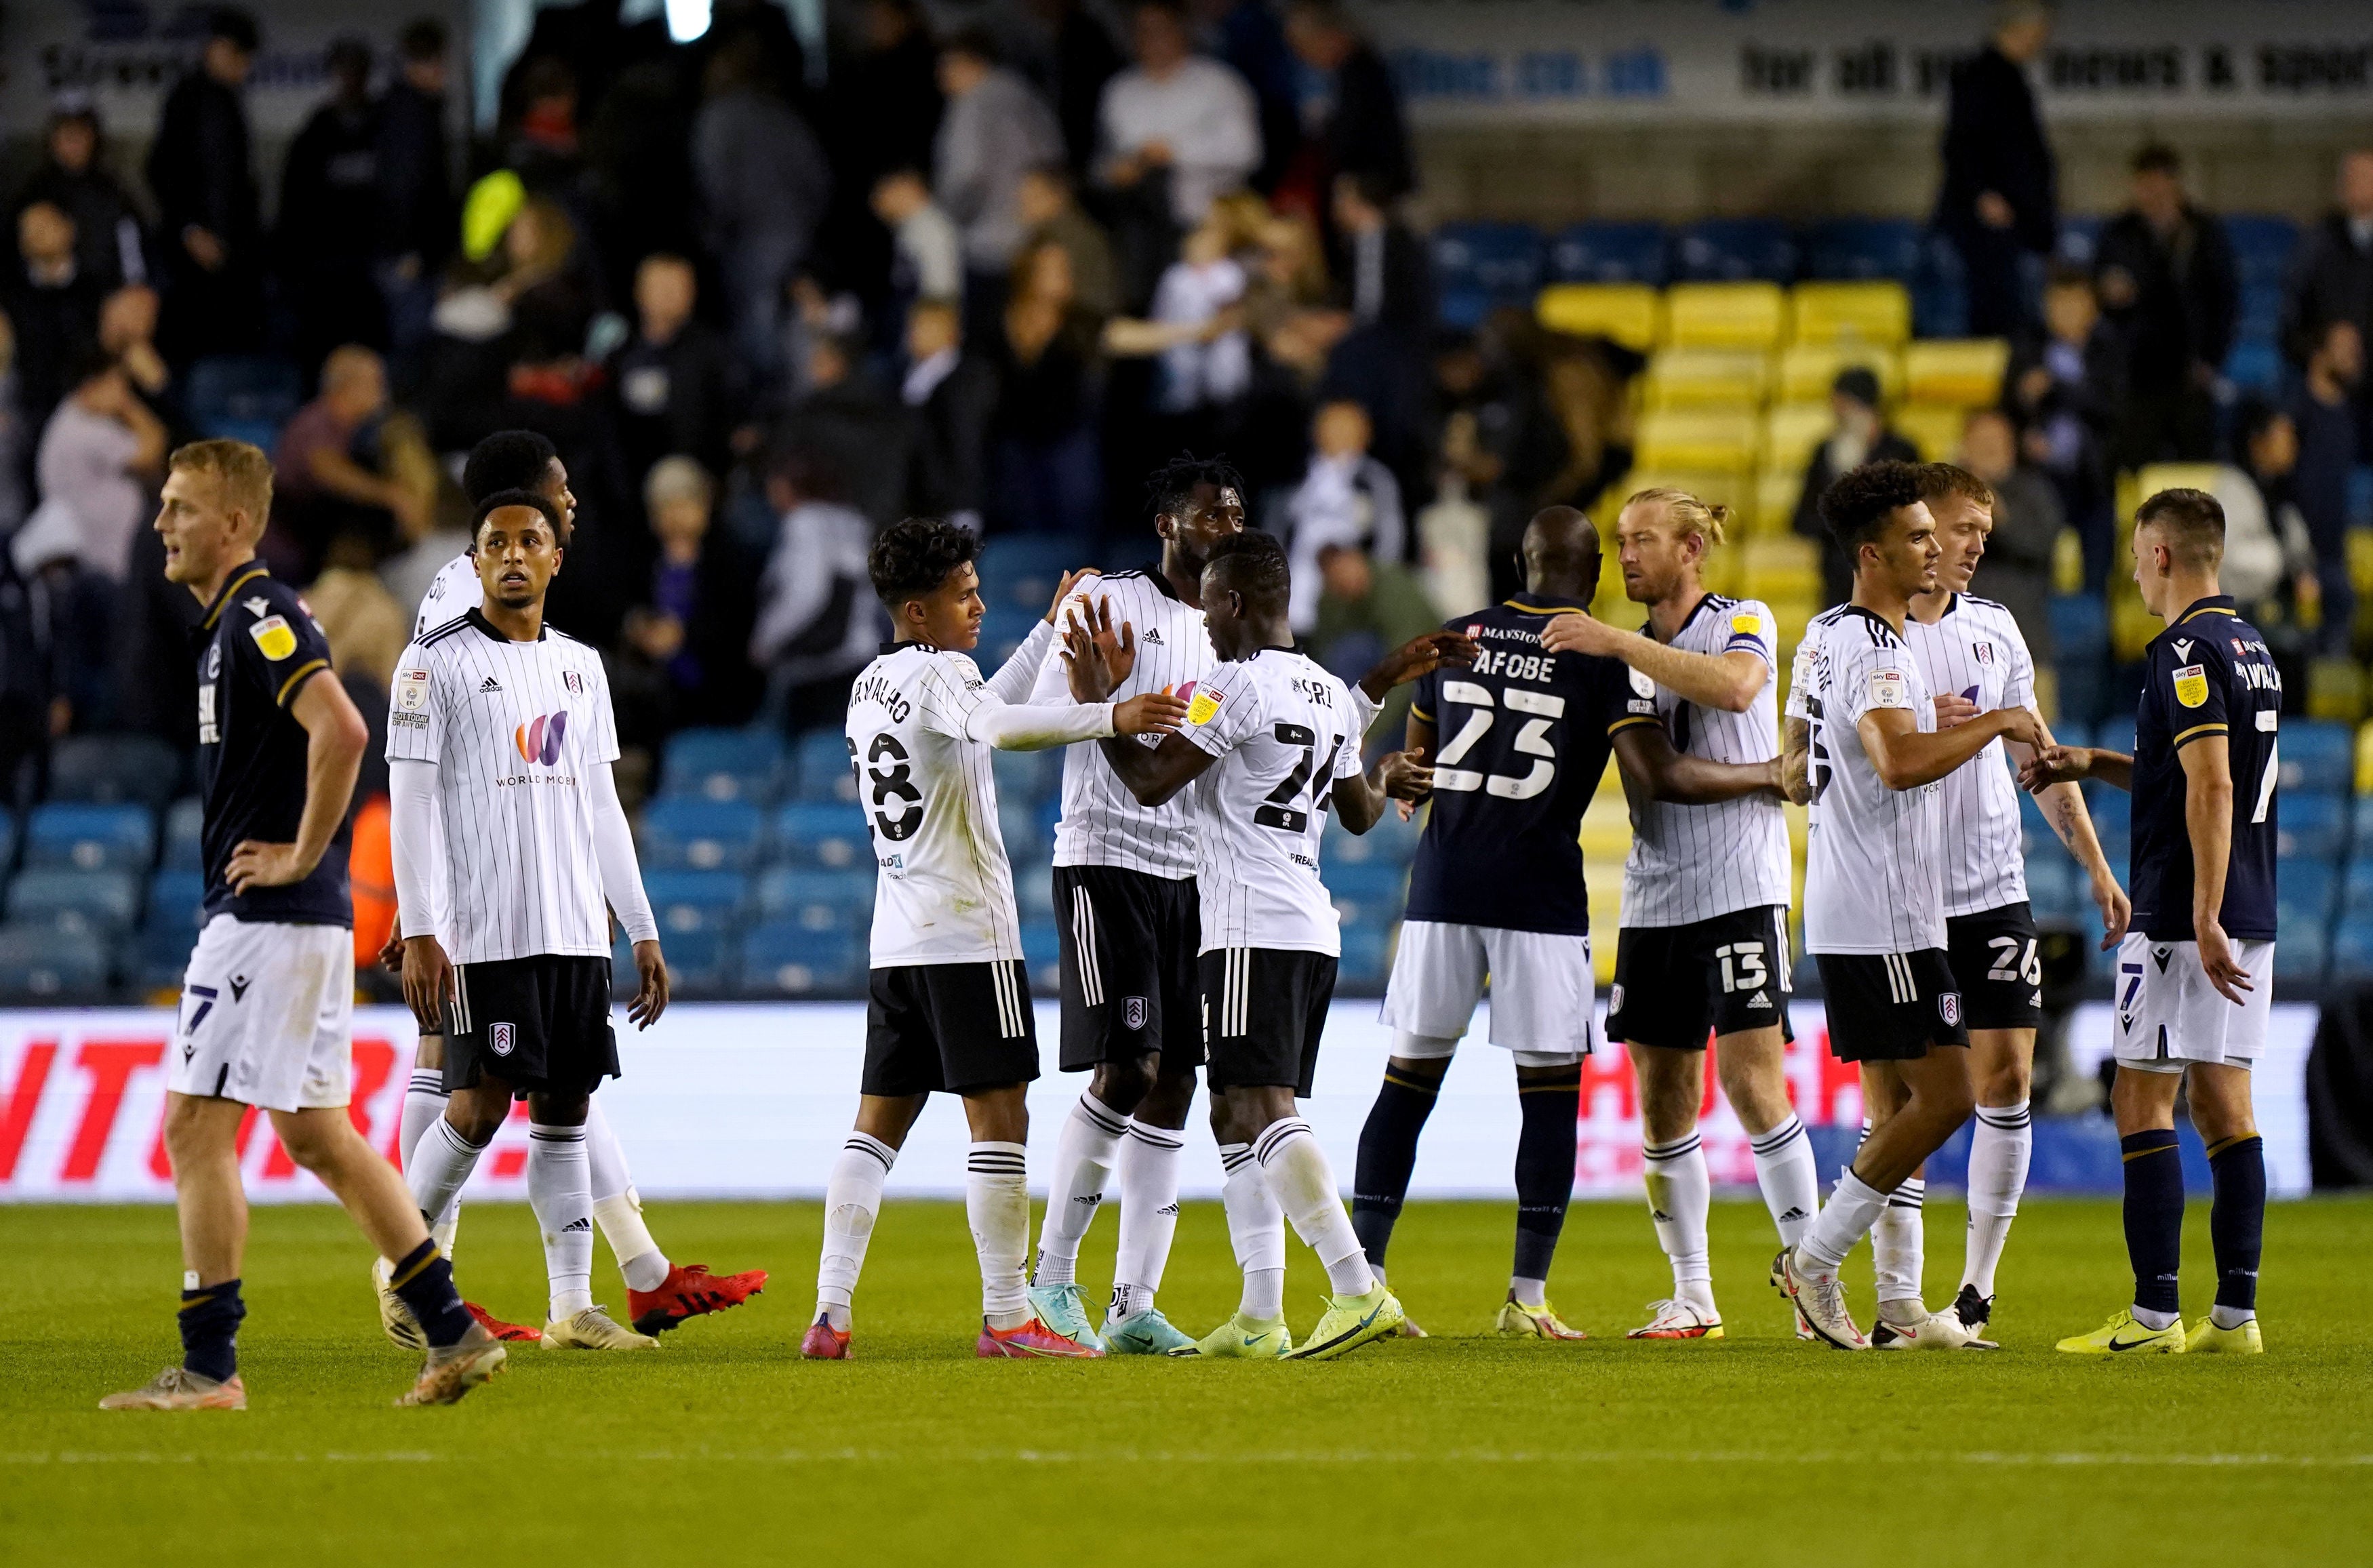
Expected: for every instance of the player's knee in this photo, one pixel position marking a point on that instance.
(1123, 1085)
(1951, 1098)
(314, 1141)
(1759, 1093)
(1168, 1101)
(192, 1133)
(475, 1118)
(2005, 1083)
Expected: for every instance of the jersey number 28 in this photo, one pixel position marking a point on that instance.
(886, 775)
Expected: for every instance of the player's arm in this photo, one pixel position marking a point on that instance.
(621, 889)
(1417, 658)
(2208, 823)
(1645, 753)
(2063, 807)
(2073, 765)
(1796, 760)
(334, 738)
(418, 850)
(1729, 680)
(1904, 757)
(1360, 798)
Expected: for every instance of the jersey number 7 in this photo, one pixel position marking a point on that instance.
(1281, 811)
(1532, 739)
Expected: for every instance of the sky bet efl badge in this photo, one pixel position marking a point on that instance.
(2192, 684)
(273, 636)
(1199, 711)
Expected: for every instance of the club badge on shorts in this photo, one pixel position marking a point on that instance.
(1948, 1008)
(500, 1037)
(1132, 1014)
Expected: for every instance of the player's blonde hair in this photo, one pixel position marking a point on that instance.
(1704, 518)
(241, 469)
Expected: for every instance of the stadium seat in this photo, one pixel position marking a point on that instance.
(2317, 759)
(2254, 366)
(820, 768)
(782, 958)
(1697, 439)
(721, 764)
(173, 903)
(2302, 957)
(1707, 377)
(1808, 371)
(1023, 830)
(95, 902)
(2305, 893)
(2352, 949)
(1391, 842)
(1778, 485)
(1630, 313)
(1963, 372)
(1042, 956)
(1790, 432)
(1864, 248)
(1034, 892)
(1609, 252)
(1782, 567)
(184, 849)
(1876, 312)
(244, 397)
(1934, 428)
(40, 964)
(702, 835)
(7, 841)
(2314, 827)
(816, 901)
(91, 838)
(2055, 891)
(113, 771)
(695, 901)
(2262, 246)
(1005, 628)
(2336, 689)
(1367, 962)
(1370, 893)
(700, 964)
(832, 837)
(2117, 734)
(2080, 236)
(1734, 250)
(1027, 777)
(158, 957)
(1480, 267)
(1021, 570)
(1726, 315)
(2260, 317)
(2080, 627)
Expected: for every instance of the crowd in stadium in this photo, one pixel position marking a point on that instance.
(765, 304)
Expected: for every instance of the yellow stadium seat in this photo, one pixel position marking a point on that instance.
(1791, 431)
(1807, 369)
(2153, 477)
(1778, 488)
(1934, 428)
(1630, 313)
(1726, 315)
(1783, 568)
(2360, 560)
(1724, 571)
(1707, 377)
(1699, 439)
(2365, 759)
(2131, 627)
(1967, 371)
(2336, 690)
(1875, 312)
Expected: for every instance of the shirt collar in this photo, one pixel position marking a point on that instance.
(1152, 571)
(1705, 603)
(2216, 603)
(240, 578)
(476, 618)
(894, 646)
(1543, 604)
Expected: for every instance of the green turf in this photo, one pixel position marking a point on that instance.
(725, 1446)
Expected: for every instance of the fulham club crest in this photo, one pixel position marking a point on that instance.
(574, 682)
(499, 1038)
(1132, 1014)
(1948, 1008)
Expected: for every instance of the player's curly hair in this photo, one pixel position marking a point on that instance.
(1172, 485)
(914, 556)
(1856, 505)
(508, 460)
(1254, 563)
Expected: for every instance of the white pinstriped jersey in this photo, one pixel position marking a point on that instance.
(515, 730)
(1281, 729)
(1975, 649)
(1872, 877)
(453, 589)
(944, 893)
(1692, 863)
(1103, 825)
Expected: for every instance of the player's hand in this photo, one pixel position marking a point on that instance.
(1071, 580)
(427, 980)
(2055, 764)
(1577, 631)
(1418, 656)
(257, 864)
(1090, 657)
(391, 957)
(1404, 778)
(1953, 708)
(2216, 959)
(1406, 808)
(2025, 726)
(651, 995)
(1149, 713)
(1115, 646)
(2116, 910)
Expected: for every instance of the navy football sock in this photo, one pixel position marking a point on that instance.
(210, 1318)
(1388, 1151)
(2153, 1216)
(2237, 1219)
(1551, 1101)
(425, 1279)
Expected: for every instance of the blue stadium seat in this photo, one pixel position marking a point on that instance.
(2112, 813)
(816, 901)
(2254, 365)
(1005, 628)
(697, 834)
(2117, 734)
(174, 897)
(721, 764)
(40, 963)
(158, 957)
(1858, 248)
(780, 958)
(1367, 960)
(2072, 732)
(2080, 626)
(1027, 777)
(2319, 757)
(91, 838)
(700, 963)
(244, 397)
(1034, 892)
(1370, 893)
(184, 825)
(93, 903)
(2314, 827)
(2304, 894)
(1609, 252)
(2352, 948)
(2262, 248)
(2260, 317)
(2054, 890)
(1020, 571)
(1730, 250)
(1390, 842)
(7, 841)
(820, 770)
(1021, 826)
(2302, 955)
(1042, 956)
(2357, 893)
(831, 836)
(2080, 237)
(1480, 267)
(114, 770)
(695, 901)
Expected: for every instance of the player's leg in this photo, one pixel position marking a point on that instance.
(1086, 1149)
(1660, 1009)
(2142, 1099)
(2002, 1145)
(1147, 1173)
(2237, 1215)
(1256, 1235)
(202, 1141)
(1542, 1004)
(440, 1149)
(1897, 1252)
(1437, 978)
(660, 1293)
(852, 1204)
(423, 1108)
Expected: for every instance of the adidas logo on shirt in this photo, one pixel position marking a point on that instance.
(1153, 636)
(490, 685)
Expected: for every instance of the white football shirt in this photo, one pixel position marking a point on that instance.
(1975, 649)
(1284, 729)
(1872, 877)
(1692, 863)
(455, 590)
(515, 730)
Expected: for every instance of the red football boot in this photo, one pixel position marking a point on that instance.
(687, 1291)
(824, 1342)
(510, 1333)
(1031, 1342)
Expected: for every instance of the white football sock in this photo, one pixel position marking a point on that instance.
(1085, 1151)
(852, 1201)
(1896, 1253)
(2001, 1146)
(618, 1208)
(1853, 1207)
(1680, 1193)
(1148, 1169)
(1256, 1230)
(1299, 1174)
(2226, 1316)
(997, 1204)
(423, 1108)
(1789, 1181)
(438, 1168)
(560, 1190)
(1523, 1291)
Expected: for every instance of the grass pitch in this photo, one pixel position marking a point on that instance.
(1462, 1447)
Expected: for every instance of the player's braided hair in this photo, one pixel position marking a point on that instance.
(1171, 486)
(1704, 518)
(1254, 563)
(915, 555)
(1857, 504)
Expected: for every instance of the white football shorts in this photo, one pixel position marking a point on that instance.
(267, 1016)
(2169, 1016)
(1541, 983)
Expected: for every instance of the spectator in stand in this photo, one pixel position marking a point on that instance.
(862, 438)
(2016, 570)
(73, 178)
(16, 448)
(2324, 416)
(1069, 54)
(202, 176)
(2066, 386)
(1860, 436)
(128, 330)
(330, 214)
(686, 646)
(818, 623)
(1196, 331)
(1177, 114)
(2331, 279)
(674, 379)
(1248, 36)
(1999, 203)
(53, 305)
(1045, 471)
(1351, 121)
(2269, 557)
(1050, 212)
(2166, 277)
(541, 144)
(1346, 498)
(33, 711)
(926, 254)
(415, 212)
(951, 396)
(329, 482)
(101, 455)
(1367, 608)
(73, 608)
(1385, 281)
(885, 98)
(995, 130)
(764, 186)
